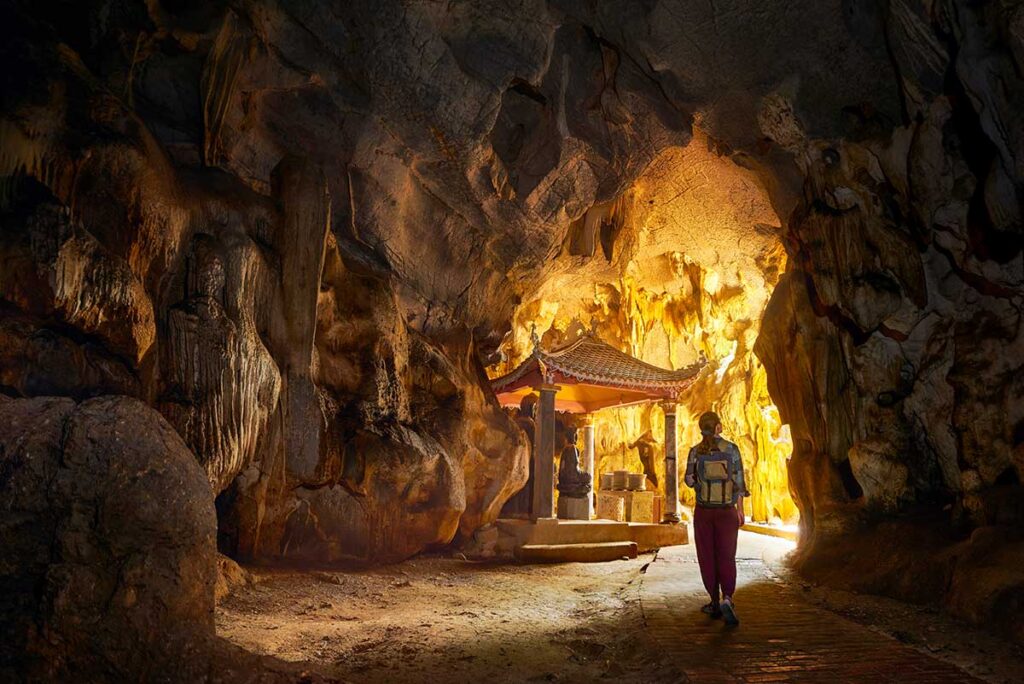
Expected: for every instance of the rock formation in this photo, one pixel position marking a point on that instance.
(109, 533)
(301, 230)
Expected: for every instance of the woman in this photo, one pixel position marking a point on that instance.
(715, 472)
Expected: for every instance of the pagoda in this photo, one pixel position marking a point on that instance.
(584, 376)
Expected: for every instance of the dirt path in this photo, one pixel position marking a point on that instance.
(440, 620)
(792, 631)
(444, 620)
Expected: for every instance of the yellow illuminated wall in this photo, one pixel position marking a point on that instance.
(696, 256)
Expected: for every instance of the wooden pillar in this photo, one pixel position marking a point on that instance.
(588, 459)
(671, 514)
(544, 455)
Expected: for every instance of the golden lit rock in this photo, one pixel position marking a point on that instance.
(695, 255)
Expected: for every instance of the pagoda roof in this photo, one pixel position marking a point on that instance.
(595, 375)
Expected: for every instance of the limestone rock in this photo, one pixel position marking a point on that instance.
(484, 544)
(230, 577)
(113, 532)
(881, 474)
(59, 271)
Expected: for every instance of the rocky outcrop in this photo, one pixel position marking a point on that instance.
(406, 449)
(895, 346)
(230, 577)
(109, 531)
(282, 343)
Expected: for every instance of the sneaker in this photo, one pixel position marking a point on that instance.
(729, 612)
(712, 610)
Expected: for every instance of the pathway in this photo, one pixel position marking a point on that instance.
(781, 638)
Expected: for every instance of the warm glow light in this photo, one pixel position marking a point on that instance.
(723, 365)
(696, 264)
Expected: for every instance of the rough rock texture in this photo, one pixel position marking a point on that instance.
(294, 354)
(230, 577)
(297, 229)
(109, 534)
(894, 346)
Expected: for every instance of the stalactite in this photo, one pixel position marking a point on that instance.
(668, 296)
(218, 84)
(24, 154)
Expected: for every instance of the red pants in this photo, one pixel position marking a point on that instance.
(715, 531)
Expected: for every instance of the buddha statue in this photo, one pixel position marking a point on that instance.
(572, 481)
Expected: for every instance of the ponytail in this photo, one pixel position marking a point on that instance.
(709, 423)
(707, 444)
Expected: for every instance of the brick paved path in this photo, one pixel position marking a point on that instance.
(781, 638)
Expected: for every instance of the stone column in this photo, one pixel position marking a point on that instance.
(544, 455)
(671, 514)
(588, 460)
(301, 242)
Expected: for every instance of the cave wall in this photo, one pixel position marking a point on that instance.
(894, 342)
(905, 295)
(296, 228)
(328, 425)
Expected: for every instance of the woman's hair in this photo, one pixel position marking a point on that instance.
(708, 423)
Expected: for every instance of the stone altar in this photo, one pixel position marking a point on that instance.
(632, 506)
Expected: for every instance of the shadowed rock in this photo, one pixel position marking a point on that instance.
(110, 536)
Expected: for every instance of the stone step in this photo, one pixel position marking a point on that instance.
(554, 531)
(647, 536)
(575, 553)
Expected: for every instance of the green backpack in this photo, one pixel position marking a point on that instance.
(715, 487)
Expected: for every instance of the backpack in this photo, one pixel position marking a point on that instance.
(714, 480)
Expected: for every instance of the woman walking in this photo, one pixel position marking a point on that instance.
(715, 472)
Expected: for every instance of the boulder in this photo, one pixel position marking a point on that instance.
(109, 529)
(230, 577)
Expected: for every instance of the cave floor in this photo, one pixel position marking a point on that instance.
(435, 619)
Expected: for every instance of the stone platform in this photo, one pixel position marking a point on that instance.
(551, 532)
(575, 553)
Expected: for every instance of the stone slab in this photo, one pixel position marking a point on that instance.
(611, 506)
(640, 507)
(636, 506)
(656, 536)
(647, 537)
(576, 553)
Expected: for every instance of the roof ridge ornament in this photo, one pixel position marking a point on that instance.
(535, 339)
